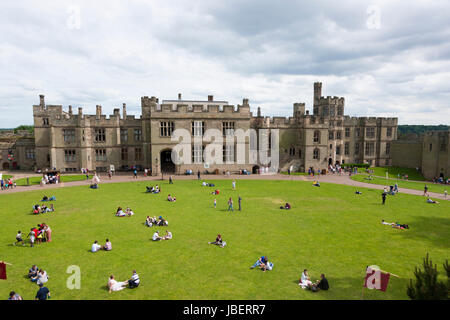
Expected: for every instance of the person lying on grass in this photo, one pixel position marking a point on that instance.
(215, 191)
(168, 235)
(387, 223)
(287, 206)
(316, 183)
(114, 285)
(219, 241)
(431, 201)
(305, 280)
(400, 226)
(358, 192)
(261, 260)
(149, 189)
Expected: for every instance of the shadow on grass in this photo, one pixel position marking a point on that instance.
(434, 230)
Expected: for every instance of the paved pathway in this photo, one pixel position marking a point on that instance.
(122, 177)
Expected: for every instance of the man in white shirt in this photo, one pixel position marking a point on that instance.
(134, 281)
(95, 246)
(168, 235)
(156, 236)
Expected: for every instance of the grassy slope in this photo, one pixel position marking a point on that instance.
(64, 178)
(329, 230)
(394, 171)
(438, 188)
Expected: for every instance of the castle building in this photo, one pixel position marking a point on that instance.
(69, 141)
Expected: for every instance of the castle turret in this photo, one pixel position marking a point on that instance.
(70, 110)
(124, 110)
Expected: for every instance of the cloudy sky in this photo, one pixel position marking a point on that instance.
(387, 58)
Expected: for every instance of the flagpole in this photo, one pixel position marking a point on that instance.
(6, 263)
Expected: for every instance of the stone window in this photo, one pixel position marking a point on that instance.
(431, 147)
(69, 155)
(356, 148)
(358, 132)
(389, 132)
(338, 134)
(338, 150)
(123, 135)
(228, 128)
(197, 153)
(45, 121)
(340, 111)
(347, 148)
(198, 128)
(137, 154)
(292, 151)
(347, 132)
(443, 146)
(331, 135)
(370, 132)
(100, 154)
(100, 135)
(339, 123)
(30, 154)
(124, 154)
(165, 128)
(388, 148)
(316, 153)
(317, 136)
(228, 153)
(69, 135)
(137, 134)
(370, 149)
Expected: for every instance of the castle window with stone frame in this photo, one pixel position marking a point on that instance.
(358, 132)
(339, 123)
(228, 128)
(45, 121)
(340, 111)
(370, 149)
(198, 128)
(317, 136)
(123, 135)
(124, 153)
(388, 148)
(338, 150)
(69, 135)
(137, 154)
(347, 132)
(100, 135)
(69, 155)
(137, 135)
(331, 135)
(30, 154)
(332, 111)
(165, 128)
(370, 132)
(443, 146)
(292, 151)
(389, 132)
(356, 148)
(228, 153)
(197, 153)
(347, 148)
(100, 154)
(338, 134)
(316, 154)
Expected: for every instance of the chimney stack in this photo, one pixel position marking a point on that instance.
(124, 110)
(41, 100)
(259, 112)
(179, 96)
(210, 98)
(70, 110)
(245, 102)
(98, 111)
(80, 111)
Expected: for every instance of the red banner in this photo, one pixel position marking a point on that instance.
(376, 279)
(2, 271)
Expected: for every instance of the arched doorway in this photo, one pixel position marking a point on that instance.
(167, 165)
(255, 169)
(5, 166)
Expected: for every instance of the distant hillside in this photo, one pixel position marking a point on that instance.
(411, 131)
(22, 127)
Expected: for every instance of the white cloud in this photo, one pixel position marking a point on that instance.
(270, 52)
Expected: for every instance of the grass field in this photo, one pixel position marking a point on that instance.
(328, 230)
(64, 178)
(393, 172)
(402, 184)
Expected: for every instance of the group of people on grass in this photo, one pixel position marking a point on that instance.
(96, 247)
(171, 199)
(39, 234)
(219, 241)
(150, 189)
(395, 225)
(306, 283)
(114, 285)
(37, 209)
(121, 213)
(6, 184)
(37, 275)
(157, 237)
(152, 221)
(263, 263)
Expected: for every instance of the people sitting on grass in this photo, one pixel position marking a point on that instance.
(305, 280)
(14, 296)
(33, 273)
(321, 284)
(316, 183)
(431, 201)
(266, 266)
(107, 246)
(261, 260)
(42, 277)
(206, 184)
(134, 281)
(219, 241)
(149, 221)
(45, 198)
(156, 236)
(95, 247)
(171, 199)
(19, 238)
(120, 212)
(287, 206)
(400, 226)
(43, 209)
(358, 192)
(157, 189)
(129, 212)
(114, 285)
(217, 191)
(168, 236)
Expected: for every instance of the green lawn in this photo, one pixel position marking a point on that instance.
(328, 230)
(438, 188)
(393, 172)
(6, 176)
(64, 178)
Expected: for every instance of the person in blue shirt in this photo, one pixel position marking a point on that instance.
(43, 293)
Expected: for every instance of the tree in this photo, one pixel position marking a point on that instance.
(427, 286)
